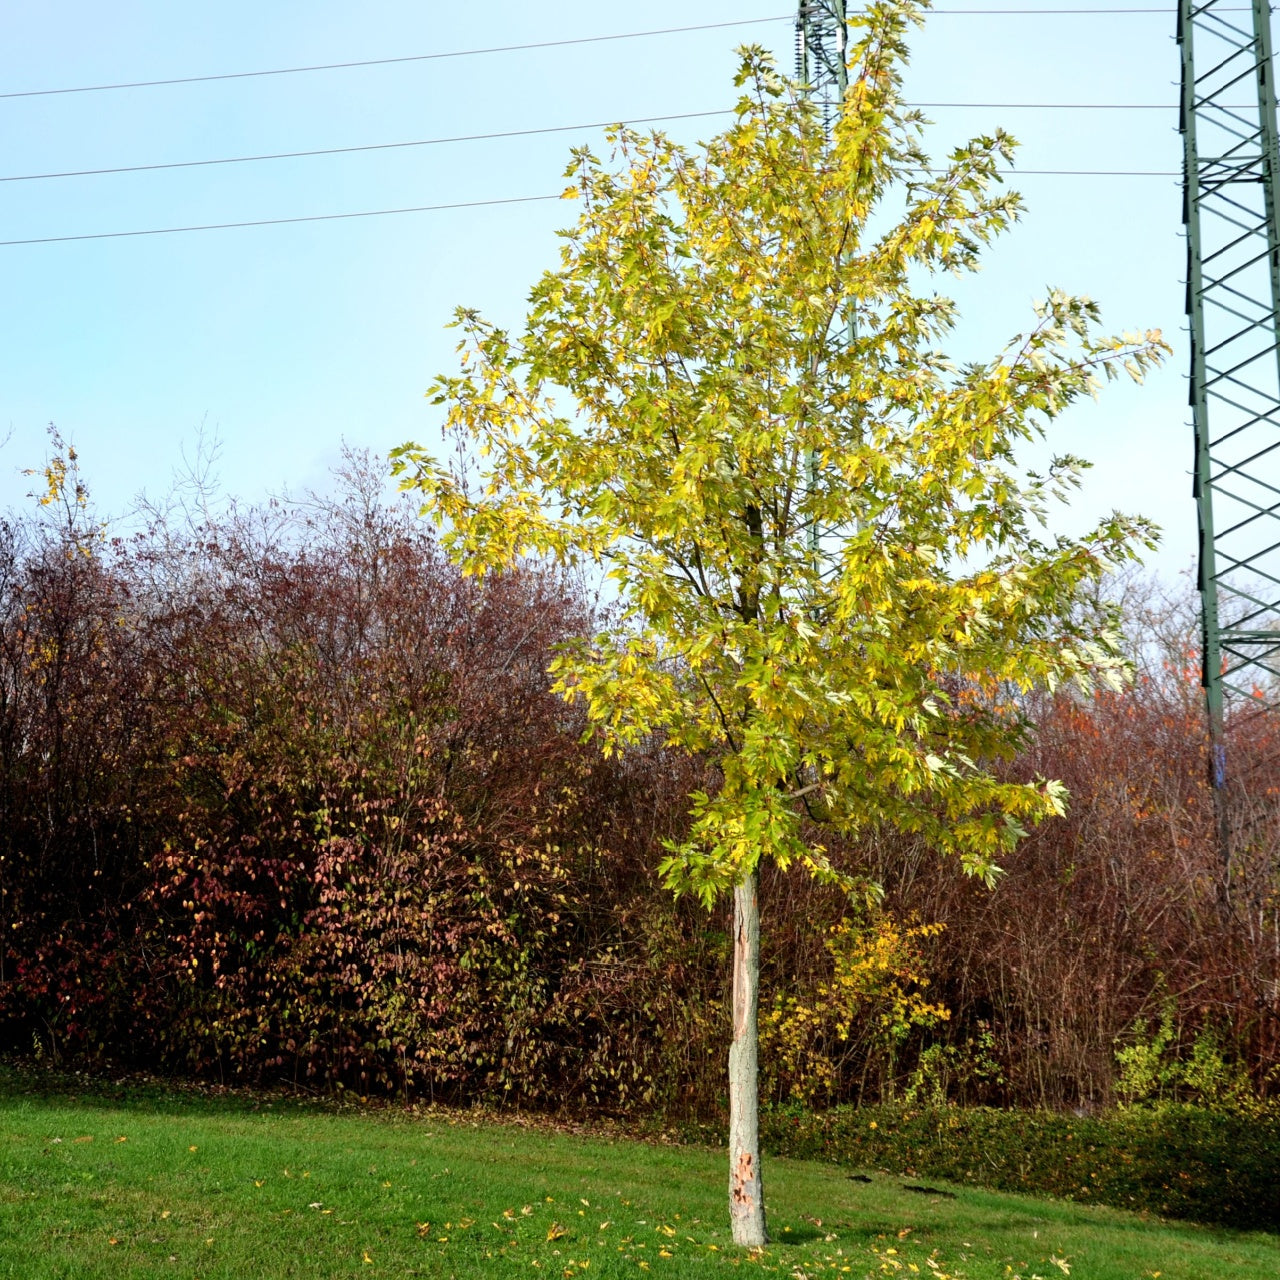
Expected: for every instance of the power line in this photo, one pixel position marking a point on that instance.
(385, 62)
(480, 204)
(1093, 173)
(528, 133)
(1036, 13)
(373, 146)
(550, 44)
(1052, 106)
(277, 222)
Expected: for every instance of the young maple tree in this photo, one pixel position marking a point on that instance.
(832, 573)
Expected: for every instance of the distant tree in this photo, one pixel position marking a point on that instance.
(832, 571)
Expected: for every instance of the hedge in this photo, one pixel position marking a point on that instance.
(1177, 1161)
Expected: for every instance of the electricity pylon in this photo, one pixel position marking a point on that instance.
(822, 38)
(822, 33)
(1230, 156)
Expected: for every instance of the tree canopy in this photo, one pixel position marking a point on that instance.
(834, 577)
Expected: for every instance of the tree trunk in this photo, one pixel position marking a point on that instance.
(746, 1189)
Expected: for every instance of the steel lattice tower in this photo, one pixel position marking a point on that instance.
(821, 35)
(1228, 123)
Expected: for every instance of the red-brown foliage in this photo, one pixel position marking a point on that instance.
(288, 797)
(1122, 913)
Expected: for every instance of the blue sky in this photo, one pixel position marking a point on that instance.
(287, 340)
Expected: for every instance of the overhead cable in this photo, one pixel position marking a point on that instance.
(372, 146)
(277, 222)
(386, 62)
(1049, 13)
(551, 44)
(480, 204)
(1051, 106)
(528, 133)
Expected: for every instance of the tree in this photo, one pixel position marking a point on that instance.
(832, 573)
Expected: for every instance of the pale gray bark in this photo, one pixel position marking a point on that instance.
(746, 1189)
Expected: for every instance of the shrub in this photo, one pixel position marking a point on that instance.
(1176, 1160)
(282, 796)
(285, 797)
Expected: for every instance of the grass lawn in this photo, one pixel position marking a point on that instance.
(178, 1186)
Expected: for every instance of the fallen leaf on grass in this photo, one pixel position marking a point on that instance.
(555, 1231)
